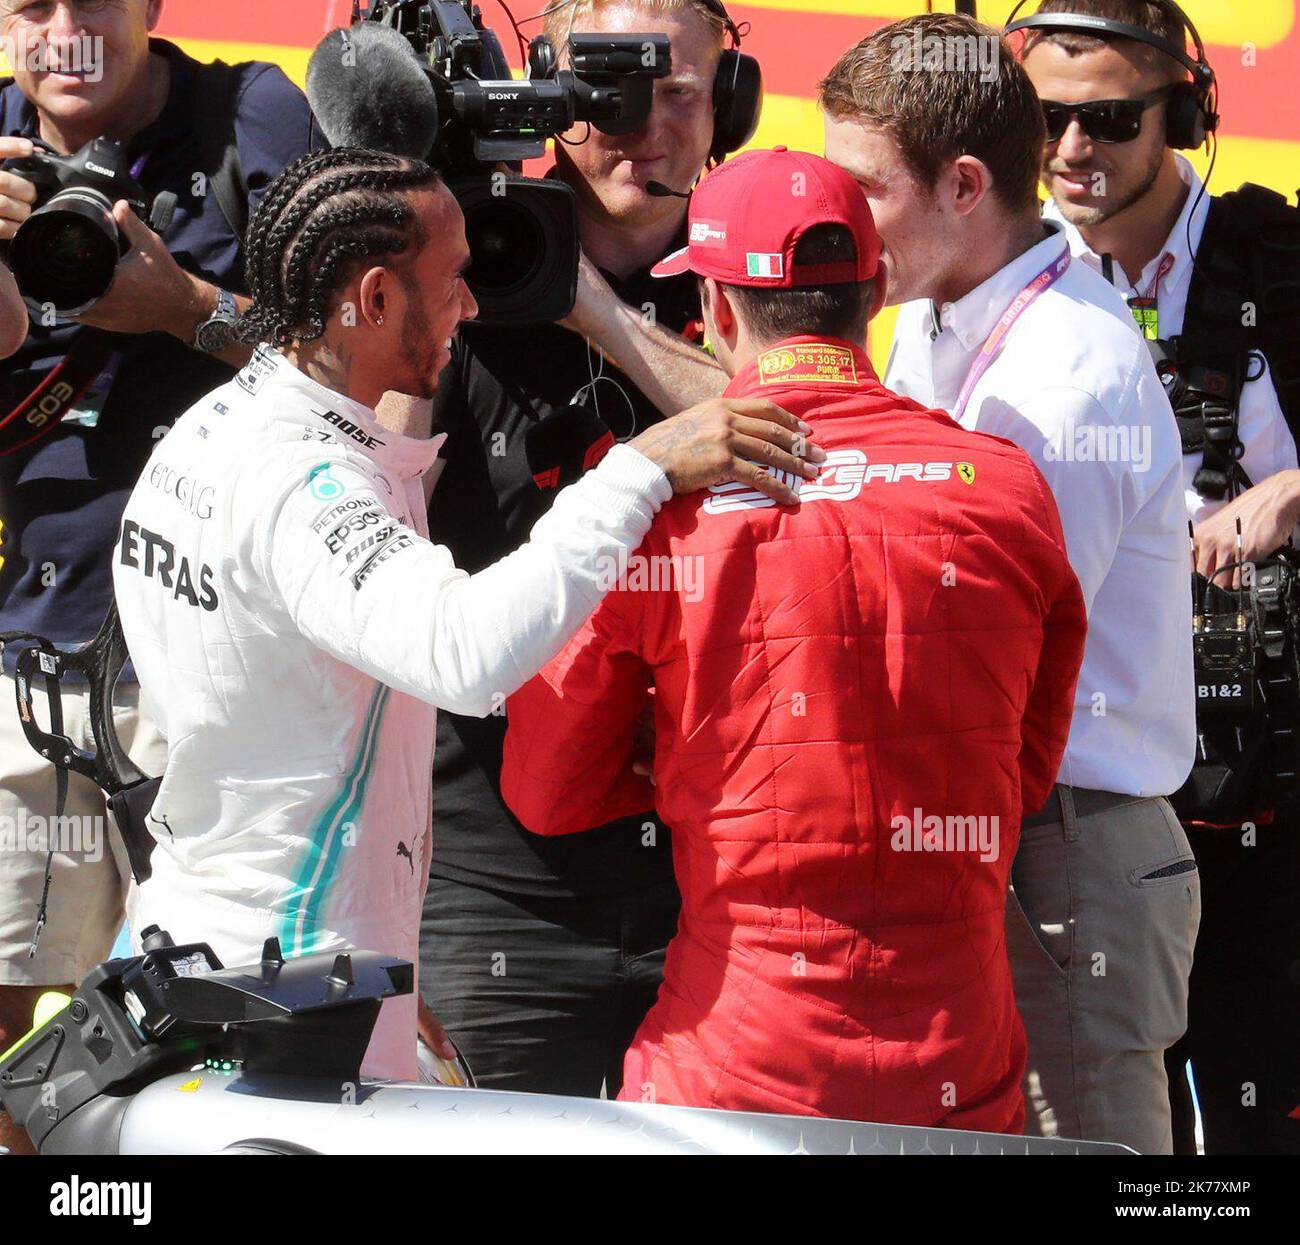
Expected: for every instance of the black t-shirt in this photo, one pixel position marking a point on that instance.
(61, 498)
(498, 383)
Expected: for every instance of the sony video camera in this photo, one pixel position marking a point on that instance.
(426, 78)
(65, 255)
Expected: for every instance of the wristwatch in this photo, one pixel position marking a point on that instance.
(217, 331)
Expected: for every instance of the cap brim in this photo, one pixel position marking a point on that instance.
(673, 265)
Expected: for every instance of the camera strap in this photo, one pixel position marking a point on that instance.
(49, 667)
(41, 411)
(1244, 302)
(214, 124)
(129, 790)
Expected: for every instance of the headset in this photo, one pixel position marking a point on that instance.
(737, 91)
(1191, 117)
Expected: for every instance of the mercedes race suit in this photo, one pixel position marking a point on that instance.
(294, 629)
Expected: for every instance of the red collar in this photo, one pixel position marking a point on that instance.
(803, 362)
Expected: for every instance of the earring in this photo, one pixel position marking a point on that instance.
(379, 319)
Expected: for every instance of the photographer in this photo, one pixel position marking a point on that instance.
(542, 956)
(1186, 262)
(120, 374)
(289, 618)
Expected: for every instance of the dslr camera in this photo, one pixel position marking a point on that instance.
(427, 78)
(65, 255)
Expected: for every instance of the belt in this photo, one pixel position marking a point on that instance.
(1087, 803)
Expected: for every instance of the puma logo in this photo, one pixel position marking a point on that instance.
(403, 850)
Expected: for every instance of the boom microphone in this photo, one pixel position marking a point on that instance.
(367, 89)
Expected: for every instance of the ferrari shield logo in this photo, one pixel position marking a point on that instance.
(967, 473)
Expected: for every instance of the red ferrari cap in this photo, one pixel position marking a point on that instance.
(747, 215)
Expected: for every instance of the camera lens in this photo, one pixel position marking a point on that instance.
(506, 245)
(65, 254)
(523, 245)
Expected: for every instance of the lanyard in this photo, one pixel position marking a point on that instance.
(1146, 307)
(1167, 263)
(998, 338)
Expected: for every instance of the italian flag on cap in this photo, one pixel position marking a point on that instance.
(757, 265)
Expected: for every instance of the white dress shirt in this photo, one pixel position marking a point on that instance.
(1075, 386)
(1269, 445)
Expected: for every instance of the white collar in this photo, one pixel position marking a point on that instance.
(405, 457)
(973, 317)
(1196, 208)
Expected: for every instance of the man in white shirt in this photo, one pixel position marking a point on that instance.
(1134, 208)
(1014, 339)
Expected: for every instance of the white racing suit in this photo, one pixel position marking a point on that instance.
(294, 630)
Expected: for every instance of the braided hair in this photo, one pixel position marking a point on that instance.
(319, 218)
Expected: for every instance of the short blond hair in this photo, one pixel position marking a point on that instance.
(561, 14)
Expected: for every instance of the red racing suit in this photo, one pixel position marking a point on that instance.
(854, 702)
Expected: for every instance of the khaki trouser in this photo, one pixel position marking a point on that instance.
(90, 874)
(1101, 923)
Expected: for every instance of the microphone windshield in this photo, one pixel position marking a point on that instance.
(368, 89)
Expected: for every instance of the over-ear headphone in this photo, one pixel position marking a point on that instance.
(1191, 117)
(737, 92)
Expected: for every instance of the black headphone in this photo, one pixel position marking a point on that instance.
(737, 92)
(1191, 117)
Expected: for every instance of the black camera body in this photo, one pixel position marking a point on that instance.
(1246, 647)
(522, 232)
(65, 255)
(486, 116)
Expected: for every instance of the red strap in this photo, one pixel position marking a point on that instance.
(40, 413)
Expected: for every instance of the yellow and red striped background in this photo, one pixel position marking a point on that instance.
(1254, 46)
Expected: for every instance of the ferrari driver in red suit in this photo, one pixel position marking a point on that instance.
(854, 700)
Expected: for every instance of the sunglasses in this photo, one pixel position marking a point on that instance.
(1103, 120)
